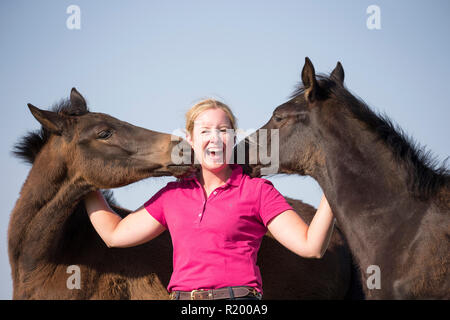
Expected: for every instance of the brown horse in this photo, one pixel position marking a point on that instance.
(286, 275)
(77, 151)
(389, 197)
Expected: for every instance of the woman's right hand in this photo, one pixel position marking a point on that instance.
(136, 228)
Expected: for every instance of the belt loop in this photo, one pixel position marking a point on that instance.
(177, 295)
(230, 290)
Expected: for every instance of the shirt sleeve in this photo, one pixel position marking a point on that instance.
(272, 203)
(155, 205)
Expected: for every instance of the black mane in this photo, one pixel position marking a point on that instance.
(427, 174)
(29, 145)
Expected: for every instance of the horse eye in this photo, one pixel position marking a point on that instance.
(105, 134)
(277, 118)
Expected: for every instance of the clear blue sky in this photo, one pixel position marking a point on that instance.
(147, 62)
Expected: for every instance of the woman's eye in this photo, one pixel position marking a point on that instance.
(277, 118)
(105, 134)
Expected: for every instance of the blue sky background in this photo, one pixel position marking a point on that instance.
(147, 62)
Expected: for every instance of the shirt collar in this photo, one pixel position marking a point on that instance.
(236, 175)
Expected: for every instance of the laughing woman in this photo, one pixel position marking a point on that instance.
(216, 217)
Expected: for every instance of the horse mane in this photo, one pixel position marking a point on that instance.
(427, 174)
(31, 143)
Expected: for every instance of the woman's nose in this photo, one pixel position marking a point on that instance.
(215, 136)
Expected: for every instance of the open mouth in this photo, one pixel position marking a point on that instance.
(214, 154)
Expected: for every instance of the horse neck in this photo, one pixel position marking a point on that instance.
(366, 188)
(47, 198)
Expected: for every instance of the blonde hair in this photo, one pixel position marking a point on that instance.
(204, 105)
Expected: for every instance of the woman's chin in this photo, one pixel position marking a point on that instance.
(213, 165)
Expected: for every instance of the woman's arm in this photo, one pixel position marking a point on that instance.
(309, 242)
(136, 228)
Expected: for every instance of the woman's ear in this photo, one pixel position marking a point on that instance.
(189, 139)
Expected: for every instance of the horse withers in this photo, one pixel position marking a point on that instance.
(389, 196)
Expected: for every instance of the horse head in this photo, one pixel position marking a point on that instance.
(297, 123)
(100, 149)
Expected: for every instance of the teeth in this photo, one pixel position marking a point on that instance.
(214, 152)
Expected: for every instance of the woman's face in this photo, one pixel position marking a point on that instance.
(212, 139)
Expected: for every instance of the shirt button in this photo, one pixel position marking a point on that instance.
(215, 192)
(199, 214)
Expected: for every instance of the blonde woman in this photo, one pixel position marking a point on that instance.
(216, 217)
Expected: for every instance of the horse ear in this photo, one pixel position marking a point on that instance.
(338, 73)
(49, 120)
(77, 102)
(309, 80)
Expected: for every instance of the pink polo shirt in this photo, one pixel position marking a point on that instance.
(216, 240)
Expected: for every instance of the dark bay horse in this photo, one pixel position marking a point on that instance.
(390, 198)
(286, 275)
(77, 151)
